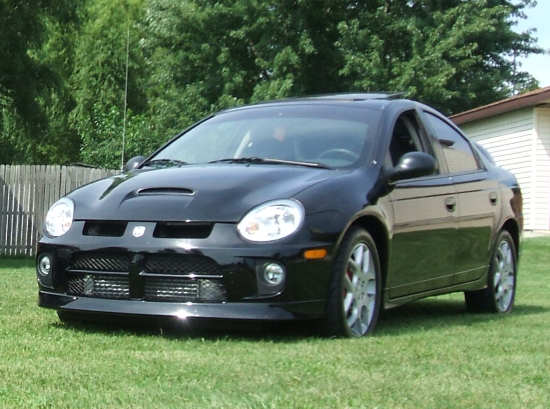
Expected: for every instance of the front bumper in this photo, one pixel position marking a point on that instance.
(82, 263)
(275, 311)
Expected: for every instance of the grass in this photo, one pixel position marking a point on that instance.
(430, 354)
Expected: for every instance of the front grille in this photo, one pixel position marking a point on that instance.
(156, 277)
(104, 228)
(182, 230)
(99, 285)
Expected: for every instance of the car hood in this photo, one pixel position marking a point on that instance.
(212, 193)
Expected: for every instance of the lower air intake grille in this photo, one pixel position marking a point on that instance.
(101, 262)
(161, 277)
(184, 290)
(180, 264)
(97, 285)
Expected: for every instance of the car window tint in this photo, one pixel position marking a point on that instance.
(457, 150)
(330, 135)
(484, 153)
(405, 138)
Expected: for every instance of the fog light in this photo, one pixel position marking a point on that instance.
(45, 265)
(274, 273)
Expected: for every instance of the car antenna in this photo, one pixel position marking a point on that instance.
(125, 97)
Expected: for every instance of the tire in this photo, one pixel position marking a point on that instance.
(499, 295)
(354, 297)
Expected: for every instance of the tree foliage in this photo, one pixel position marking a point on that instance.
(99, 77)
(25, 79)
(453, 54)
(189, 58)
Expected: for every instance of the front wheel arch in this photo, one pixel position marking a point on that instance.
(355, 291)
(379, 233)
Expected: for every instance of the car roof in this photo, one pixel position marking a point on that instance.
(379, 98)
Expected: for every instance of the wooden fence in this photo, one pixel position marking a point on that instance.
(26, 193)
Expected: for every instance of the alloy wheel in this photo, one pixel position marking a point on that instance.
(359, 289)
(504, 276)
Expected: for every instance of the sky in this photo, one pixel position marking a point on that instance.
(538, 65)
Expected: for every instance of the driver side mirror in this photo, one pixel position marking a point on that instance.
(133, 163)
(413, 165)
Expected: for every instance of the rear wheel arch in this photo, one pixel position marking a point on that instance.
(512, 227)
(499, 293)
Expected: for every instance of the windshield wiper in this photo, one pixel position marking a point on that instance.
(270, 161)
(164, 163)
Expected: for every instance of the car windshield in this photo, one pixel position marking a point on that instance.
(303, 135)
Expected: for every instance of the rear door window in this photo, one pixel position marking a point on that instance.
(457, 150)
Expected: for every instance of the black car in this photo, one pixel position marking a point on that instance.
(326, 208)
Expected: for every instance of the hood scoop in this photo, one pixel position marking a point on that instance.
(165, 191)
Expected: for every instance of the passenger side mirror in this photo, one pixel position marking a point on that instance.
(413, 165)
(133, 163)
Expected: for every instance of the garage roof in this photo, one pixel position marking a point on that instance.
(529, 99)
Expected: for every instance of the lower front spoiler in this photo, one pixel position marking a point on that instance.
(270, 311)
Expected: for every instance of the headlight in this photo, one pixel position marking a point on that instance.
(60, 217)
(272, 220)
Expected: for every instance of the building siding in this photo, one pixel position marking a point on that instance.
(542, 163)
(511, 139)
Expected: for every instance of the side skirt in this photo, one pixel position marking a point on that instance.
(478, 284)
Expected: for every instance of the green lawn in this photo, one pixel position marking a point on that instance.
(430, 354)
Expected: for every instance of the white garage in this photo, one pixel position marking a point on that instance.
(516, 131)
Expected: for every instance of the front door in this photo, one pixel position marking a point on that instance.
(423, 251)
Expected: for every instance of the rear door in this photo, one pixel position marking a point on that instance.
(477, 199)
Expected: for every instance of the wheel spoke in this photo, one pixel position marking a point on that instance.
(354, 268)
(371, 272)
(366, 265)
(358, 255)
(348, 285)
(370, 306)
(348, 300)
(509, 258)
(497, 280)
(499, 294)
(363, 325)
(352, 319)
(371, 288)
(510, 280)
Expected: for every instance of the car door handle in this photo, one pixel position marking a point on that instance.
(493, 197)
(450, 203)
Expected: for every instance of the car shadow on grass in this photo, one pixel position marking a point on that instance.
(431, 314)
(420, 316)
(213, 329)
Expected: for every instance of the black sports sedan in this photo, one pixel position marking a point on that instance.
(326, 208)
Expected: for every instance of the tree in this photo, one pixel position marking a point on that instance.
(99, 78)
(62, 63)
(212, 54)
(454, 54)
(24, 78)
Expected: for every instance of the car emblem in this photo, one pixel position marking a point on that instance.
(138, 231)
